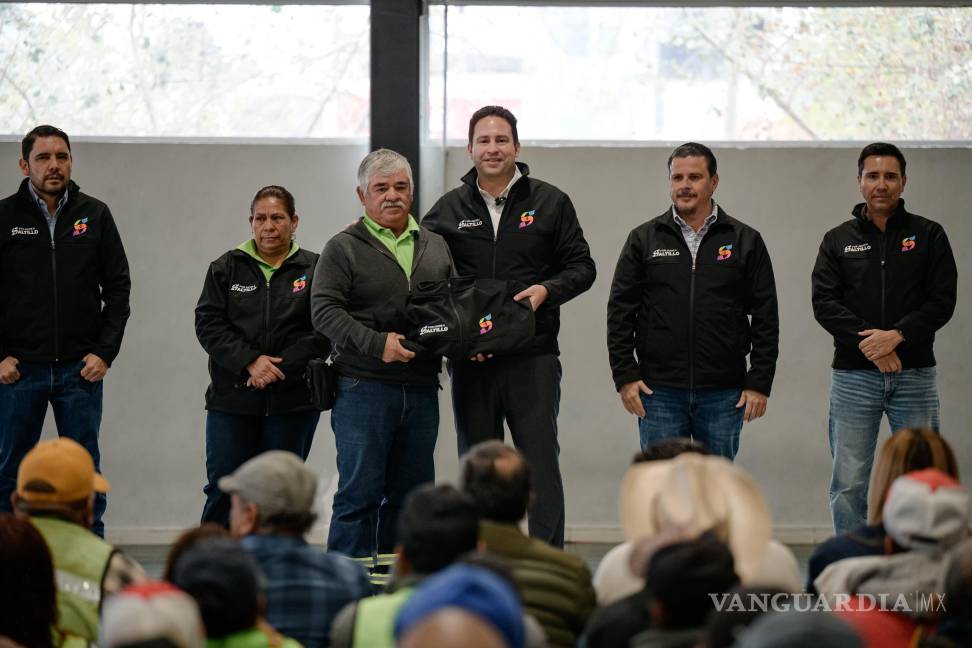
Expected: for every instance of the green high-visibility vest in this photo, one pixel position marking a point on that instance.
(374, 623)
(80, 561)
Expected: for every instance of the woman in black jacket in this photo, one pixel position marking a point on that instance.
(253, 319)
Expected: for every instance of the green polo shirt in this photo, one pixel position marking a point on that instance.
(403, 247)
(250, 248)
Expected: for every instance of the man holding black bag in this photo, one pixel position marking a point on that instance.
(504, 224)
(386, 413)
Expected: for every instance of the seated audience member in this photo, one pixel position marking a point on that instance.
(151, 612)
(669, 448)
(955, 627)
(437, 525)
(926, 514)
(189, 539)
(799, 630)
(555, 586)
(224, 580)
(271, 509)
(28, 604)
(534, 636)
(463, 606)
(905, 451)
(726, 624)
(56, 486)
(681, 579)
(616, 623)
(722, 497)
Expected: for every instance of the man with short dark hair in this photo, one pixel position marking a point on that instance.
(56, 484)
(883, 284)
(272, 508)
(682, 582)
(693, 295)
(502, 223)
(64, 288)
(226, 584)
(556, 586)
(438, 525)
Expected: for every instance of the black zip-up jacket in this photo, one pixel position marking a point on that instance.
(360, 293)
(539, 241)
(689, 324)
(241, 316)
(65, 296)
(904, 278)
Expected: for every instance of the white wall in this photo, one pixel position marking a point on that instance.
(178, 206)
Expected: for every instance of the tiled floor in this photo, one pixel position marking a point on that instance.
(152, 557)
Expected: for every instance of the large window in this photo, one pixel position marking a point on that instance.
(185, 70)
(712, 73)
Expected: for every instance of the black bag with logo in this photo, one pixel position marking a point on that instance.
(321, 379)
(463, 316)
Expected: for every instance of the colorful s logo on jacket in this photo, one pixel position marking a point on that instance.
(724, 252)
(486, 324)
(80, 226)
(908, 243)
(300, 283)
(526, 218)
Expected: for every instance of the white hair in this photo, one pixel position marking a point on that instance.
(383, 162)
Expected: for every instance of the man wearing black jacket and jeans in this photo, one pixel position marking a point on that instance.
(693, 295)
(883, 284)
(504, 224)
(64, 288)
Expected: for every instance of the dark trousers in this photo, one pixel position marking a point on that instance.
(233, 439)
(385, 438)
(525, 391)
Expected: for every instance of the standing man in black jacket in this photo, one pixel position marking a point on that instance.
(253, 319)
(504, 224)
(64, 288)
(884, 283)
(693, 295)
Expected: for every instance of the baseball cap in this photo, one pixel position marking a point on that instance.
(151, 612)
(276, 481)
(471, 589)
(926, 510)
(58, 471)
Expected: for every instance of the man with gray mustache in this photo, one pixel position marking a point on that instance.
(386, 415)
(693, 295)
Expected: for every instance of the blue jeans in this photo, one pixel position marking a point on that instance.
(385, 437)
(23, 406)
(709, 416)
(858, 398)
(233, 439)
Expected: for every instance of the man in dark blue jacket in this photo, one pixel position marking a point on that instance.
(502, 223)
(883, 284)
(64, 288)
